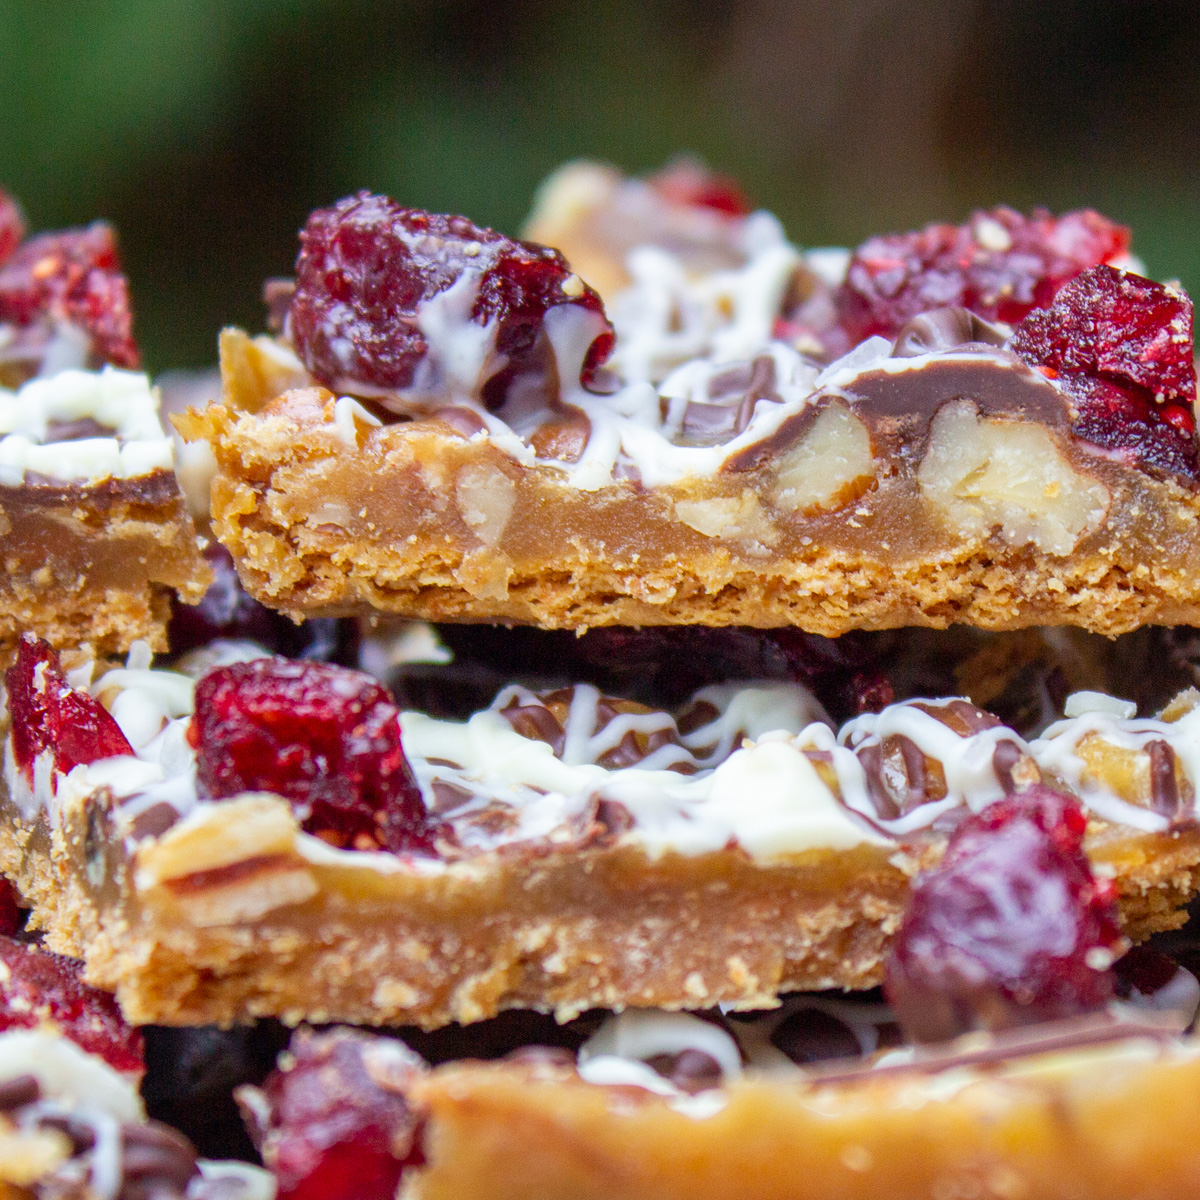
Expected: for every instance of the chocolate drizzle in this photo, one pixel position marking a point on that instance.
(944, 329)
(1165, 796)
(978, 1050)
(733, 395)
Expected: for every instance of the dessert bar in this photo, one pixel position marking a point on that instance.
(989, 424)
(94, 534)
(278, 839)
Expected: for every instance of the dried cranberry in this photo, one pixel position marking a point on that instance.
(333, 1123)
(12, 225)
(1010, 929)
(38, 988)
(689, 182)
(366, 268)
(325, 737)
(1000, 264)
(48, 714)
(1121, 347)
(73, 276)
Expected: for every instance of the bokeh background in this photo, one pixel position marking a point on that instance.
(207, 129)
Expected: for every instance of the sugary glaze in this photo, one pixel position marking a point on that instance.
(81, 427)
(752, 765)
(572, 867)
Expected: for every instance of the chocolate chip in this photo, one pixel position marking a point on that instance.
(1164, 787)
(154, 821)
(77, 431)
(1004, 758)
(564, 437)
(80, 1133)
(156, 1151)
(462, 420)
(536, 722)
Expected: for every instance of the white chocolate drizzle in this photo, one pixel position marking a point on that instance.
(763, 770)
(116, 400)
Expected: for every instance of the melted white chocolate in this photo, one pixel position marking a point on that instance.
(766, 773)
(122, 401)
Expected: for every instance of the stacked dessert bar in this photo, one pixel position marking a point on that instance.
(615, 889)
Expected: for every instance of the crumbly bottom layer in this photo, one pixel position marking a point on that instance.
(582, 932)
(110, 620)
(829, 592)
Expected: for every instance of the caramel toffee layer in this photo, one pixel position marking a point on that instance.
(1102, 1120)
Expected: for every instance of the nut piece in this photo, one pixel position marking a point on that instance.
(215, 836)
(832, 466)
(486, 498)
(987, 473)
(739, 517)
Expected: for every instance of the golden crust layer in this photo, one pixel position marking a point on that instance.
(236, 915)
(271, 932)
(1108, 1124)
(96, 564)
(422, 520)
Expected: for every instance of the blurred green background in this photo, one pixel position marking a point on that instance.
(207, 129)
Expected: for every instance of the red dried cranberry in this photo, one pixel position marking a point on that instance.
(366, 268)
(1115, 325)
(1000, 264)
(689, 182)
(1010, 929)
(48, 714)
(73, 276)
(38, 988)
(332, 1124)
(1121, 347)
(325, 737)
(10, 910)
(12, 225)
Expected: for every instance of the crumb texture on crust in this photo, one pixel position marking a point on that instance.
(1106, 1126)
(326, 514)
